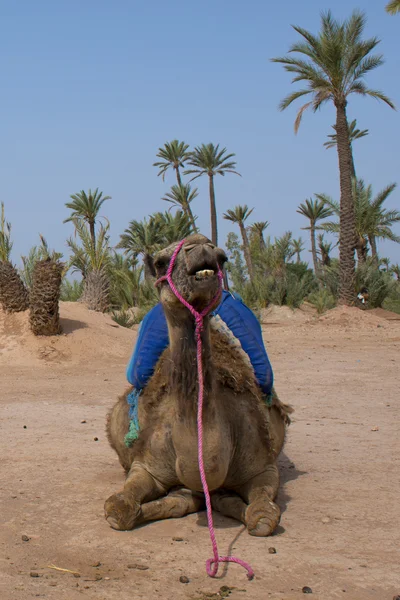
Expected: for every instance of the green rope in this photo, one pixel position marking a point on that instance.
(132, 434)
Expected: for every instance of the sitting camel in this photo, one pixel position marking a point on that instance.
(242, 437)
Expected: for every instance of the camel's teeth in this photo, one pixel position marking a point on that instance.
(204, 274)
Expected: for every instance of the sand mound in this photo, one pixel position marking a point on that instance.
(342, 316)
(350, 316)
(282, 315)
(385, 314)
(87, 336)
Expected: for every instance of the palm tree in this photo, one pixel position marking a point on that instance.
(96, 257)
(257, 229)
(174, 227)
(44, 317)
(395, 269)
(372, 220)
(314, 210)
(284, 246)
(354, 134)
(36, 254)
(86, 207)
(13, 293)
(5, 237)
(385, 262)
(334, 66)
(174, 155)
(210, 160)
(142, 238)
(298, 247)
(325, 249)
(278, 254)
(393, 7)
(182, 196)
(93, 261)
(239, 215)
(125, 281)
(14, 296)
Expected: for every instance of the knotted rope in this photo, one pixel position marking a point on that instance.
(212, 564)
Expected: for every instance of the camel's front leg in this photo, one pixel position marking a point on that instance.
(262, 514)
(176, 504)
(123, 510)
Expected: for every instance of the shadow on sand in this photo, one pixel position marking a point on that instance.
(70, 325)
(288, 472)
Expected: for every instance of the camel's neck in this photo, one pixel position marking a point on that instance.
(184, 374)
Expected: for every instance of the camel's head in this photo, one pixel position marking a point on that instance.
(195, 273)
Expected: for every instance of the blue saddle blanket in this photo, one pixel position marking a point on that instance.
(153, 339)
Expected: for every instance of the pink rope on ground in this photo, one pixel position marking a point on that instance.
(212, 564)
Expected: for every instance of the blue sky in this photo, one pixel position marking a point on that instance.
(90, 90)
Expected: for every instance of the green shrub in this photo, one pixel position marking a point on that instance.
(71, 291)
(378, 283)
(123, 318)
(322, 300)
(330, 278)
(392, 302)
(286, 288)
(297, 289)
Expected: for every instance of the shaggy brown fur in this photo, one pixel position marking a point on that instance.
(242, 437)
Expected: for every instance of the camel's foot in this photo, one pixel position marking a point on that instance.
(262, 517)
(123, 510)
(120, 513)
(262, 514)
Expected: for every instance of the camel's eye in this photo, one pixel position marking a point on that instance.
(189, 247)
(161, 262)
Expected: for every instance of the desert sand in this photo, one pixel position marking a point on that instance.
(340, 528)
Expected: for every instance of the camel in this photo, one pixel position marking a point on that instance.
(242, 436)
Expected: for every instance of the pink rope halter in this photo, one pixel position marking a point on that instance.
(212, 564)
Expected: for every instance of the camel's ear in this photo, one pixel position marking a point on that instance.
(221, 257)
(149, 262)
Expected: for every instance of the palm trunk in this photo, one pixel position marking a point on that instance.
(353, 168)
(178, 176)
(213, 211)
(314, 249)
(93, 234)
(189, 213)
(347, 217)
(298, 258)
(374, 249)
(361, 249)
(14, 296)
(246, 250)
(44, 318)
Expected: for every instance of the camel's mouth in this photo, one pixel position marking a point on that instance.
(203, 271)
(204, 274)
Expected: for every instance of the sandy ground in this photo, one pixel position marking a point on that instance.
(340, 527)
